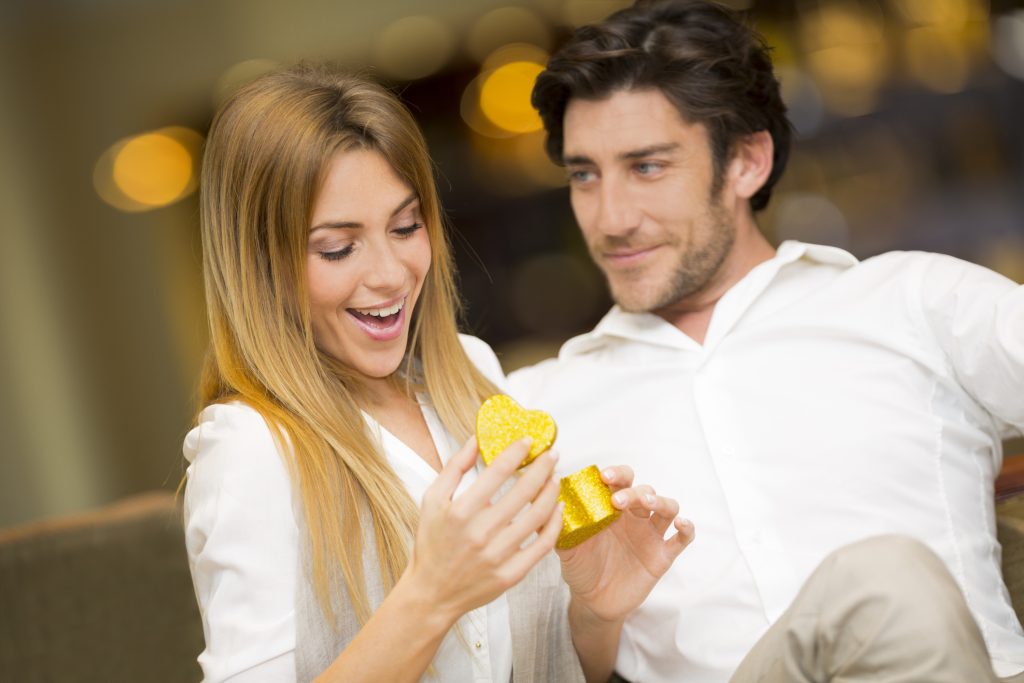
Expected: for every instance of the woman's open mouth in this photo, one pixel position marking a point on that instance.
(383, 323)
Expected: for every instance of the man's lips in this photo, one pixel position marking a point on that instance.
(627, 257)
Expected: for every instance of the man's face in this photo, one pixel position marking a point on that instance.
(642, 187)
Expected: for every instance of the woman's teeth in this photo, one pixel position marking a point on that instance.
(381, 312)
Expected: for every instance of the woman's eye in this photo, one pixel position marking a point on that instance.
(407, 230)
(336, 255)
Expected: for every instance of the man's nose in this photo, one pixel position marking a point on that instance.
(617, 213)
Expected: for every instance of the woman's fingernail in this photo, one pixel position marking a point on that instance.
(608, 474)
(619, 498)
(553, 455)
(650, 500)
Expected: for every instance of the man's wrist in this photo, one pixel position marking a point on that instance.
(586, 617)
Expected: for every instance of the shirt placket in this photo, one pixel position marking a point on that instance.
(479, 647)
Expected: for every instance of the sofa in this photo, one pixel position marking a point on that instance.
(103, 595)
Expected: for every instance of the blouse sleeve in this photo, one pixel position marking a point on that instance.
(482, 356)
(242, 542)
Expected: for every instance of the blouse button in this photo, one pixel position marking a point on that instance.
(477, 645)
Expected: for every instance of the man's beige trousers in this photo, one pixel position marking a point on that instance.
(884, 609)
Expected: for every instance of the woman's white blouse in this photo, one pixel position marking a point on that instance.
(243, 546)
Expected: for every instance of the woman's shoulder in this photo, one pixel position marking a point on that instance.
(232, 442)
(483, 357)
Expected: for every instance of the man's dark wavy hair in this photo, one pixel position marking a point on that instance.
(701, 56)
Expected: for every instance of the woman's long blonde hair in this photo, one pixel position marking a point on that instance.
(265, 160)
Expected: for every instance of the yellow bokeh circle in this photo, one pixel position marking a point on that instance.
(153, 169)
(505, 97)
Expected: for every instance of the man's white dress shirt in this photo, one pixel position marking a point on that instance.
(243, 547)
(831, 401)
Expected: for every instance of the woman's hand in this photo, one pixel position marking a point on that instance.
(468, 550)
(610, 574)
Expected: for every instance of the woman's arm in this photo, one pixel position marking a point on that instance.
(467, 553)
(610, 574)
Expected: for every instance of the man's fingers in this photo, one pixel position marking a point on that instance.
(684, 535)
(618, 476)
(664, 511)
(634, 500)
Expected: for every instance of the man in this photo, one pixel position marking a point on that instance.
(798, 403)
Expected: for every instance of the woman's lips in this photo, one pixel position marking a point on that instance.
(387, 329)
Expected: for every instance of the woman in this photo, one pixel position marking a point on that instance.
(334, 529)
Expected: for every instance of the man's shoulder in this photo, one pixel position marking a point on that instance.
(923, 269)
(905, 263)
(528, 381)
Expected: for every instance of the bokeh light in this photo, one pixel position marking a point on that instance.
(810, 217)
(505, 97)
(579, 12)
(951, 13)
(937, 57)
(847, 55)
(413, 47)
(503, 26)
(150, 170)
(237, 75)
(1008, 43)
(804, 105)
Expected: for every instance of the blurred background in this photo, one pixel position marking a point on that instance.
(909, 116)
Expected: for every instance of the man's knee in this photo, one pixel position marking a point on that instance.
(885, 552)
(897, 567)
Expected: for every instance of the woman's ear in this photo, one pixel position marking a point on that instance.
(751, 163)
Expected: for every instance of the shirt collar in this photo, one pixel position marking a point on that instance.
(652, 329)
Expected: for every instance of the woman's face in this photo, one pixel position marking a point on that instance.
(368, 253)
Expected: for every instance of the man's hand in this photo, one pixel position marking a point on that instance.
(610, 574)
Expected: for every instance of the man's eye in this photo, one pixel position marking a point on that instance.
(647, 167)
(580, 176)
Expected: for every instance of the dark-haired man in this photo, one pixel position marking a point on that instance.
(833, 427)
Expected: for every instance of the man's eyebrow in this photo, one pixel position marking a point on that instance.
(355, 224)
(648, 151)
(583, 160)
(577, 160)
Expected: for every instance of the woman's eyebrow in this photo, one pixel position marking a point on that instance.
(355, 224)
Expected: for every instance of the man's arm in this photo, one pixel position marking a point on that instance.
(977, 318)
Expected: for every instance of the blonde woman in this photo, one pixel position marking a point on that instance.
(336, 531)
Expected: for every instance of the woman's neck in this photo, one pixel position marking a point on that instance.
(380, 392)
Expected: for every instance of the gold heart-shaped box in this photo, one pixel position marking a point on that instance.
(588, 500)
(501, 421)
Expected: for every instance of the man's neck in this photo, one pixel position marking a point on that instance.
(692, 314)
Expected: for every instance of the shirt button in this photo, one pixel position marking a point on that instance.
(477, 645)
